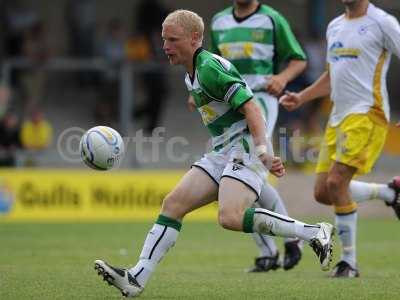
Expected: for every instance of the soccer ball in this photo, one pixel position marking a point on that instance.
(101, 148)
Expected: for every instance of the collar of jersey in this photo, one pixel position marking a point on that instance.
(239, 20)
(197, 52)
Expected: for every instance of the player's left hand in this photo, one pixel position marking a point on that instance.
(276, 85)
(398, 124)
(273, 164)
(277, 169)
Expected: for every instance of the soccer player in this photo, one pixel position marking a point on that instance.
(257, 40)
(233, 172)
(360, 44)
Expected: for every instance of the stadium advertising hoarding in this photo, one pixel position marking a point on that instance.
(75, 195)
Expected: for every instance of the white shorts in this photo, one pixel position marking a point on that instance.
(270, 108)
(235, 163)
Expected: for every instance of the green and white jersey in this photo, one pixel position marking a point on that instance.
(219, 91)
(256, 45)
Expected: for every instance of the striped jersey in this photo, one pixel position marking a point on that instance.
(219, 91)
(256, 44)
(359, 53)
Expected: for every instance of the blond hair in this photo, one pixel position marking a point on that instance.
(188, 20)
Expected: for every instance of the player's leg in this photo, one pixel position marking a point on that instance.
(325, 192)
(269, 255)
(389, 193)
(346, 217)
(321, 194)
(358, 142)
(331, 188)
(195, 189)
(271, 200)
(293, 246)
(185, 198)
(268, 258)
(239, 187)
(363, 191)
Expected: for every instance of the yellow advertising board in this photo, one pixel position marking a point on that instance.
(84, 195)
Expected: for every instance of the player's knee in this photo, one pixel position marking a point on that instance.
(335, 183)
(227, 220)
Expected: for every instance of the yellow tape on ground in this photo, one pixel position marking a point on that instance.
(74, 195)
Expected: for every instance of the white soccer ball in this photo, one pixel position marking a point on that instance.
(101, 148)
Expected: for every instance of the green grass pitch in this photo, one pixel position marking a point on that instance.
(55, 261)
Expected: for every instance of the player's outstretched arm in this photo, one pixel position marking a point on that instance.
(256, 125)
(320, 88)
(277, 83)
(391, 32)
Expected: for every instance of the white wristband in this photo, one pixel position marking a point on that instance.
(260, 150)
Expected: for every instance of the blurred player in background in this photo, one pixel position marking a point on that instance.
(233, 172)
(360, 45)
(258, 40)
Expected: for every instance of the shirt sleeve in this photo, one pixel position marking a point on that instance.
(391, 34)
(287, 46)
(225, 85)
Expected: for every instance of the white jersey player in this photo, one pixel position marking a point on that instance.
(360, 45)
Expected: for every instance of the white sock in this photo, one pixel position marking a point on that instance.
(363, 191)
(270, 200)
(268, 222)
(266, 244)
(347, 228)
(158, 241)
